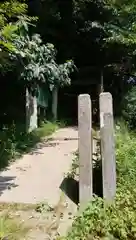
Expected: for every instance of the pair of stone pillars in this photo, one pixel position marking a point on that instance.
(86, 146)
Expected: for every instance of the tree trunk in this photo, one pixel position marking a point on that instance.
(31, 112)
(54, 102)
(102, 82)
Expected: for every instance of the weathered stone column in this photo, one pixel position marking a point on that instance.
(31, 112)
(85, 149)
(107, 146)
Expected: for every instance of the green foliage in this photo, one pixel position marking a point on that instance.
(13, 14)
(43, 208)
(115, 20)
(14, 141)
(104, 29)
(100, 221)
(10, 13)
(123, 24)
(12, 9)
(118, 220)
(129, 107)
(38, 62)
(34, 62)
(126, 155)
(74, 171)
(8, 33)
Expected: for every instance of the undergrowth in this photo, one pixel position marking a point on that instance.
(11, 229)
(14, 141)
(116, 221)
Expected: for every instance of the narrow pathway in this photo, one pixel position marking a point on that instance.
(38, 175)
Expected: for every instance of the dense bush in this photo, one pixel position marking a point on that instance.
(129, 111)
(117, 221)
(101, 221)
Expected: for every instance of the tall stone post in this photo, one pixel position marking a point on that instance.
(85, 149)
(107, 146)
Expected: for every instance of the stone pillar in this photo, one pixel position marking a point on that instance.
(85, 149)
(107, 146)
(54, 102)
(31, 112)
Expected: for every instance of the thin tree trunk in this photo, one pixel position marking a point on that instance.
(31, 112)
(102, 82)
(54, 102)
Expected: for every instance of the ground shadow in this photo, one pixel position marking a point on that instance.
(6, 183)
(70, 186)
(37, 150)
(15, 142)
(50, 142)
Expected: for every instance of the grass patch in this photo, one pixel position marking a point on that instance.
(14, 141)
(11, 229)
(16, 207)
(117, 221)
(16, 222)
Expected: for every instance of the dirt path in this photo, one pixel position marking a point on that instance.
(37, 176)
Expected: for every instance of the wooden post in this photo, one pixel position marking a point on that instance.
(55, 102)
(85, 149)
(107, 146)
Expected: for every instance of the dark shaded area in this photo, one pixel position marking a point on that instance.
(68, 102)
(74, 27)
(12, 100)
(6, 183)
(70, 186)
(97, 181)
